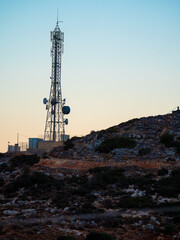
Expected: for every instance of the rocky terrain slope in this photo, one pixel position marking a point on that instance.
(145, 138)
(119, 183)
(128, 202)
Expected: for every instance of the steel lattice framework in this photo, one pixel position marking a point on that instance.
(54, 128)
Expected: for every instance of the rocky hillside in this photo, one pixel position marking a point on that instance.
(156, 137)
(101, 195)
(104, 203)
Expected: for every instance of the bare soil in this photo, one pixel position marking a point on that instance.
(85, 165)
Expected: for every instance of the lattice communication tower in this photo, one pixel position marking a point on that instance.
(55, 106)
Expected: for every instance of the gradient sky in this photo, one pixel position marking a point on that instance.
(121, 61)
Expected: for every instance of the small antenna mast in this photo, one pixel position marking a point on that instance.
(58, 19)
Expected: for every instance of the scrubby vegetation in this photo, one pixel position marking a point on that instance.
(60, 200)
(24, 160)
(115, 129)
(1, 229)
(4, 167)
(114, 170)
(116, 142)
(1, 182)
(169, 229)
(69, 144)
(94, 235)
(2, 155)
(65, 238)
(136, 202)
(99, 236)
(168, 141)
(176, 219)
(162, 171)
(66, 191)
(144, 151)
(87, 207)
(36, 184)
(169, 186)
(105, 176)
(108, 131)
(129, 123)
(177, 146)
(95, 191)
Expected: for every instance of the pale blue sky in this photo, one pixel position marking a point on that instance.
(121, 61)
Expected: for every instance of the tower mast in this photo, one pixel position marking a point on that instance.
(55, 123)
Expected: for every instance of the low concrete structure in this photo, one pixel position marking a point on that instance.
(14, 148)
(33, 143)
(48, 145)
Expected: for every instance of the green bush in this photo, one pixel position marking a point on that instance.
(77, 179)
(167, 140)
(27, 180)
(142, 182)
(177, 145)
(86, 208)
(111, 130)
(81, 191)
(90, 198)
(176, 219)
(2, 155)
(129, 123)
(176, 172)
(24, 160)
(99, 169)
(113, 222)
(100, 134)
(169, 204)
(99, 236)
(115, 129)
(169, 229)
(162, 172)
(108, 131)
(105, 176)
(113, 170)
(61, 200)
(144, 151)
(169, 186)
(4, 167)
(135, 202)
(35, 183)
(168, 191)
(69, 144)
(65, 238)
(116, 142)
(1, 182)
(1, 229)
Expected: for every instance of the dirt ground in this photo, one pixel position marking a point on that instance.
(85, 165)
